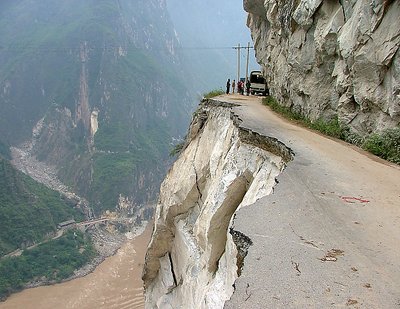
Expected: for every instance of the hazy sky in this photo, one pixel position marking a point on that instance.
(212, 28)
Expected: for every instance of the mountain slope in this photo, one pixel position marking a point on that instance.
(28, 210)
(101, 85)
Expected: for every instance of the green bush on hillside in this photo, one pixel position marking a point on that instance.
(213, 93)
(385, 144)
(330, 128)
(177, 149)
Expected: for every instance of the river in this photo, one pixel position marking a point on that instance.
(115, 283)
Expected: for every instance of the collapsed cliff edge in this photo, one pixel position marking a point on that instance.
(259, 213)
(195, 255)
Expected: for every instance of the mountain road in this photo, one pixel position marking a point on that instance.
(329, 235)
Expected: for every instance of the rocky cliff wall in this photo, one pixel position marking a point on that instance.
(194, 256)
(331, 58)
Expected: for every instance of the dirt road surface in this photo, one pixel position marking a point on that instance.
(329, 235)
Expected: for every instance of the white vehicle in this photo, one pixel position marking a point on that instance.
(258, 83)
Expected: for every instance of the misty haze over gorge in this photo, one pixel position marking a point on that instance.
(169, 154)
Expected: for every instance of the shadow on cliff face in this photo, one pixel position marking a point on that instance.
(243, 244)
(217, 234)
(194, 255)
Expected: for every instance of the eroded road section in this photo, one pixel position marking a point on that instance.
(329, 235)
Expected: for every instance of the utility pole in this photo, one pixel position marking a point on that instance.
(238, 64)
(247, 62)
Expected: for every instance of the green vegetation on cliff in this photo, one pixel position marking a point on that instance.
(330, 128)
(213, 93)
(385, 144)
(49, 262)
(125, 156)
(29, 211)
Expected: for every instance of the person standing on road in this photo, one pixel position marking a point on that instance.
(228, 86)
(247, 87)
(233, 86)
(240, 87)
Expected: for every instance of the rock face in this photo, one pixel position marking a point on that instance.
(195, 256)
(328, 59)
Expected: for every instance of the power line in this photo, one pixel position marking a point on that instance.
(247, 64)
(106, 48)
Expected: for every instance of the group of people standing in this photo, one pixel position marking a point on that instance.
(240, 87)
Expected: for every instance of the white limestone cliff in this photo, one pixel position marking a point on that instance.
(328, 59)
(194, 255)
(324, 59)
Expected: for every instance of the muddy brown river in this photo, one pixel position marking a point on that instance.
(115, 283)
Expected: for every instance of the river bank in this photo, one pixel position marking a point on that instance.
(115, 283)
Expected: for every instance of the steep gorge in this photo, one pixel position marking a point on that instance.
(95, 90)
(195, 256)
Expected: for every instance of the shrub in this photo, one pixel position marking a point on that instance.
(213, 93)
(330, 128)
(283, 110)
(177, 149)
(352, 137)
(385, 144)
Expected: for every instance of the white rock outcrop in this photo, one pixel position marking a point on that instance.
(328, 59)
(194, 255)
